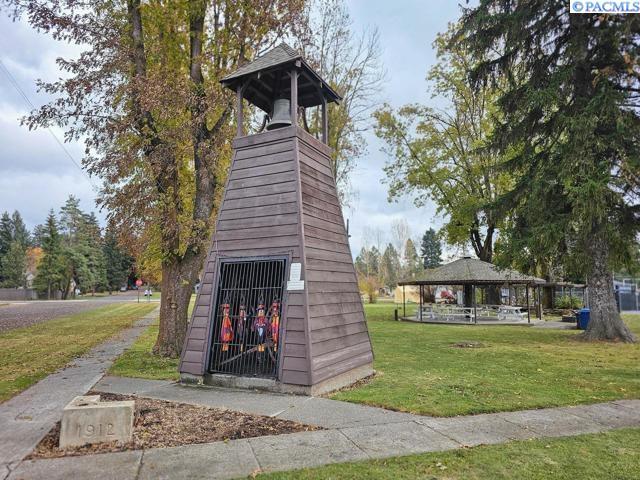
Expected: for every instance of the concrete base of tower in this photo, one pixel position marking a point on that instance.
(271, 385)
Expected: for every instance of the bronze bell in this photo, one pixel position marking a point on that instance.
(281, 114)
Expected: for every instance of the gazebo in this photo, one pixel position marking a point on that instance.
(471, 274)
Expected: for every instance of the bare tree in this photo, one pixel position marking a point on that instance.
(351, 63)
(400, 233)
(373, 237)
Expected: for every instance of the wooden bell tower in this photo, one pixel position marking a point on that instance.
(279, 305)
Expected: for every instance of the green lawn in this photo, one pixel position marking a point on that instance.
(29, 354)
(611, 455)
(139, 362)
(421, 370)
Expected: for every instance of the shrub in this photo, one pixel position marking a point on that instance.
(568, 302)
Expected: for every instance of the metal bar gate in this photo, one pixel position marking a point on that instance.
(246, 319)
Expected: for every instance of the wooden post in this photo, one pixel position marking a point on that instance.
(294, 96)
(239, 110)
(475, 310)
(528, 311)
(404, 304)
(539, 303)
(420, 290)
(325, 122)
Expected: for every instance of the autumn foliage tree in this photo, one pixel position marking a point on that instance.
(144, 97)
(440, 152)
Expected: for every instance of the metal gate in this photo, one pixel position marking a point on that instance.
(246, 318)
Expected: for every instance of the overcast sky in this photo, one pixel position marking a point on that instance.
(37, 174)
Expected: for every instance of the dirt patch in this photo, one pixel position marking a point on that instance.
(468, 345)
(357, 384)
(159, 423)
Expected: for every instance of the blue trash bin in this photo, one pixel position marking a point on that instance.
(583, 316)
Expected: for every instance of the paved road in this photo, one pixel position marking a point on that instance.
(23, 314)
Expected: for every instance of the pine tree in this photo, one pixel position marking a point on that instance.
(20, 233)
(118, 263)
(373, 262)
(571, 123)
(361, 261)
(6, 233)
(90, 240)
(38, 234)
(14, 241)
(71, 220)
(430, 249)
(412, 264)
(390, 266)
(51, 270)
(82, 239)
(14, 265)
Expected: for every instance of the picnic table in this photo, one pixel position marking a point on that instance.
(445, 313)
(511, 313)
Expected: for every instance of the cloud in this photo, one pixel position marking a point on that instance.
(407, 31)
(24, 151)
(35, 172)
(35, 193)
(36, 175)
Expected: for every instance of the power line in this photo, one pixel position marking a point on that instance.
(24, 96)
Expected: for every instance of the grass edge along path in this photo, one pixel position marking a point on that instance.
(613, 454)
(139, 362)
(29, 354)
(448, 370)
(421, 370)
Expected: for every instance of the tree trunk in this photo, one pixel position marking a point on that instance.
(178, 279)
(605, 322)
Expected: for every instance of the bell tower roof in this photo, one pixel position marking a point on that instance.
(267, 78)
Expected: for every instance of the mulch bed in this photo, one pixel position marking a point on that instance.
(159, 423)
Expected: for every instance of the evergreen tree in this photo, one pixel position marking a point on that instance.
(571, 123)
(6, 233)
(84, 260)
(118, 263)
(390, 266)
(361, 261)
(368, 262)
(90, 242)
(373, 262)
(412, 264)
(20, 233)
(51, 270)
(71, 220)
(14, 241)
(14, 265)
(430, 249)
(38, 234)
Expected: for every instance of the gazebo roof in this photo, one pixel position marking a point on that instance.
(471, 271)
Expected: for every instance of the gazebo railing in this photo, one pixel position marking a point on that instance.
(444, 313)
(431, 312)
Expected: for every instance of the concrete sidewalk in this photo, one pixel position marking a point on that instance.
(354, 432)
(27, 417)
